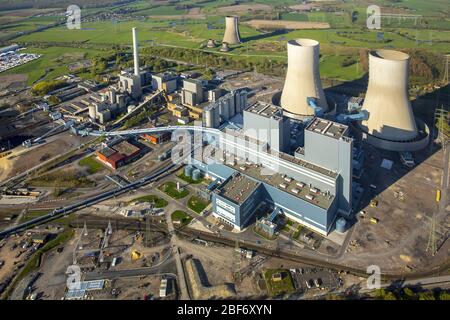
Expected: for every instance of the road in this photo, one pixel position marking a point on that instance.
(180, 270)
(90, 201)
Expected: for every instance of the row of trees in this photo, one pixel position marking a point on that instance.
(266, 66)
(409, 294)
(44, 87)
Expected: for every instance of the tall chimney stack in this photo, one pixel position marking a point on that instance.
(135, 53)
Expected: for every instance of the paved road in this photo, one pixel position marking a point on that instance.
(180, 271)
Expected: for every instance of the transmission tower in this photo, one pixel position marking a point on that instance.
(445, 79)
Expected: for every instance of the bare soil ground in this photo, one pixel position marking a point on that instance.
(277, 24)
(218, 263)
(13, 80)
(30, 158)
(406, 201)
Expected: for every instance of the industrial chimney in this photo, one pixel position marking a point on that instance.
(390, 114)
(302, 94)
(231, 35)
(135, 53)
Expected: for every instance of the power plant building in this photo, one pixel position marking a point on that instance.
(310, 187)
(265, 122)
(224, 108)
(165, 81)
(192, 93)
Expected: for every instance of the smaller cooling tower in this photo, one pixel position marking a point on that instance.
(302, 80)
(390, 114)
(231, 35)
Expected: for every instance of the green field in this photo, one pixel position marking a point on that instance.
(158, 202)
(93, 166)
(158, 29)
(197, 204)
(170, 188)
(285, 285)
(33, 214)
(62, 179)
(181, 216)
(53, 62)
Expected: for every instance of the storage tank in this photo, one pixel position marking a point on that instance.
(188, 171)
(302, 79)
(196, 174)
(232, 35)
(208, 116)
(341, 225)
(231, 105)
(224, 109)
(390, 113)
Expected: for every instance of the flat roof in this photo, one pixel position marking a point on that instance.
(328, 128)
(238, 188)
(107, 152)
(284, 183)
(285, 156)
(265, 109)
(126, 148)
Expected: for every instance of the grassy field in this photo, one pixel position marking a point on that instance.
(62, 178)
(53, 63)
(197, 204)
(181, 216)
(93, 166)
(285, 285)
(170, 188)
(33, 214)
(158, 202)
(430, 33)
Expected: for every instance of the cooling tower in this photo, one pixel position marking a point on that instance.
(390, 114)
(302, 79)
(135, 53)
(231, 35)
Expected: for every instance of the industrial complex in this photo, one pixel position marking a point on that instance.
(190, 170)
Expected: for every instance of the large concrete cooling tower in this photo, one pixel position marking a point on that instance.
(231, 35)
(391, 124)
(302, 80)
